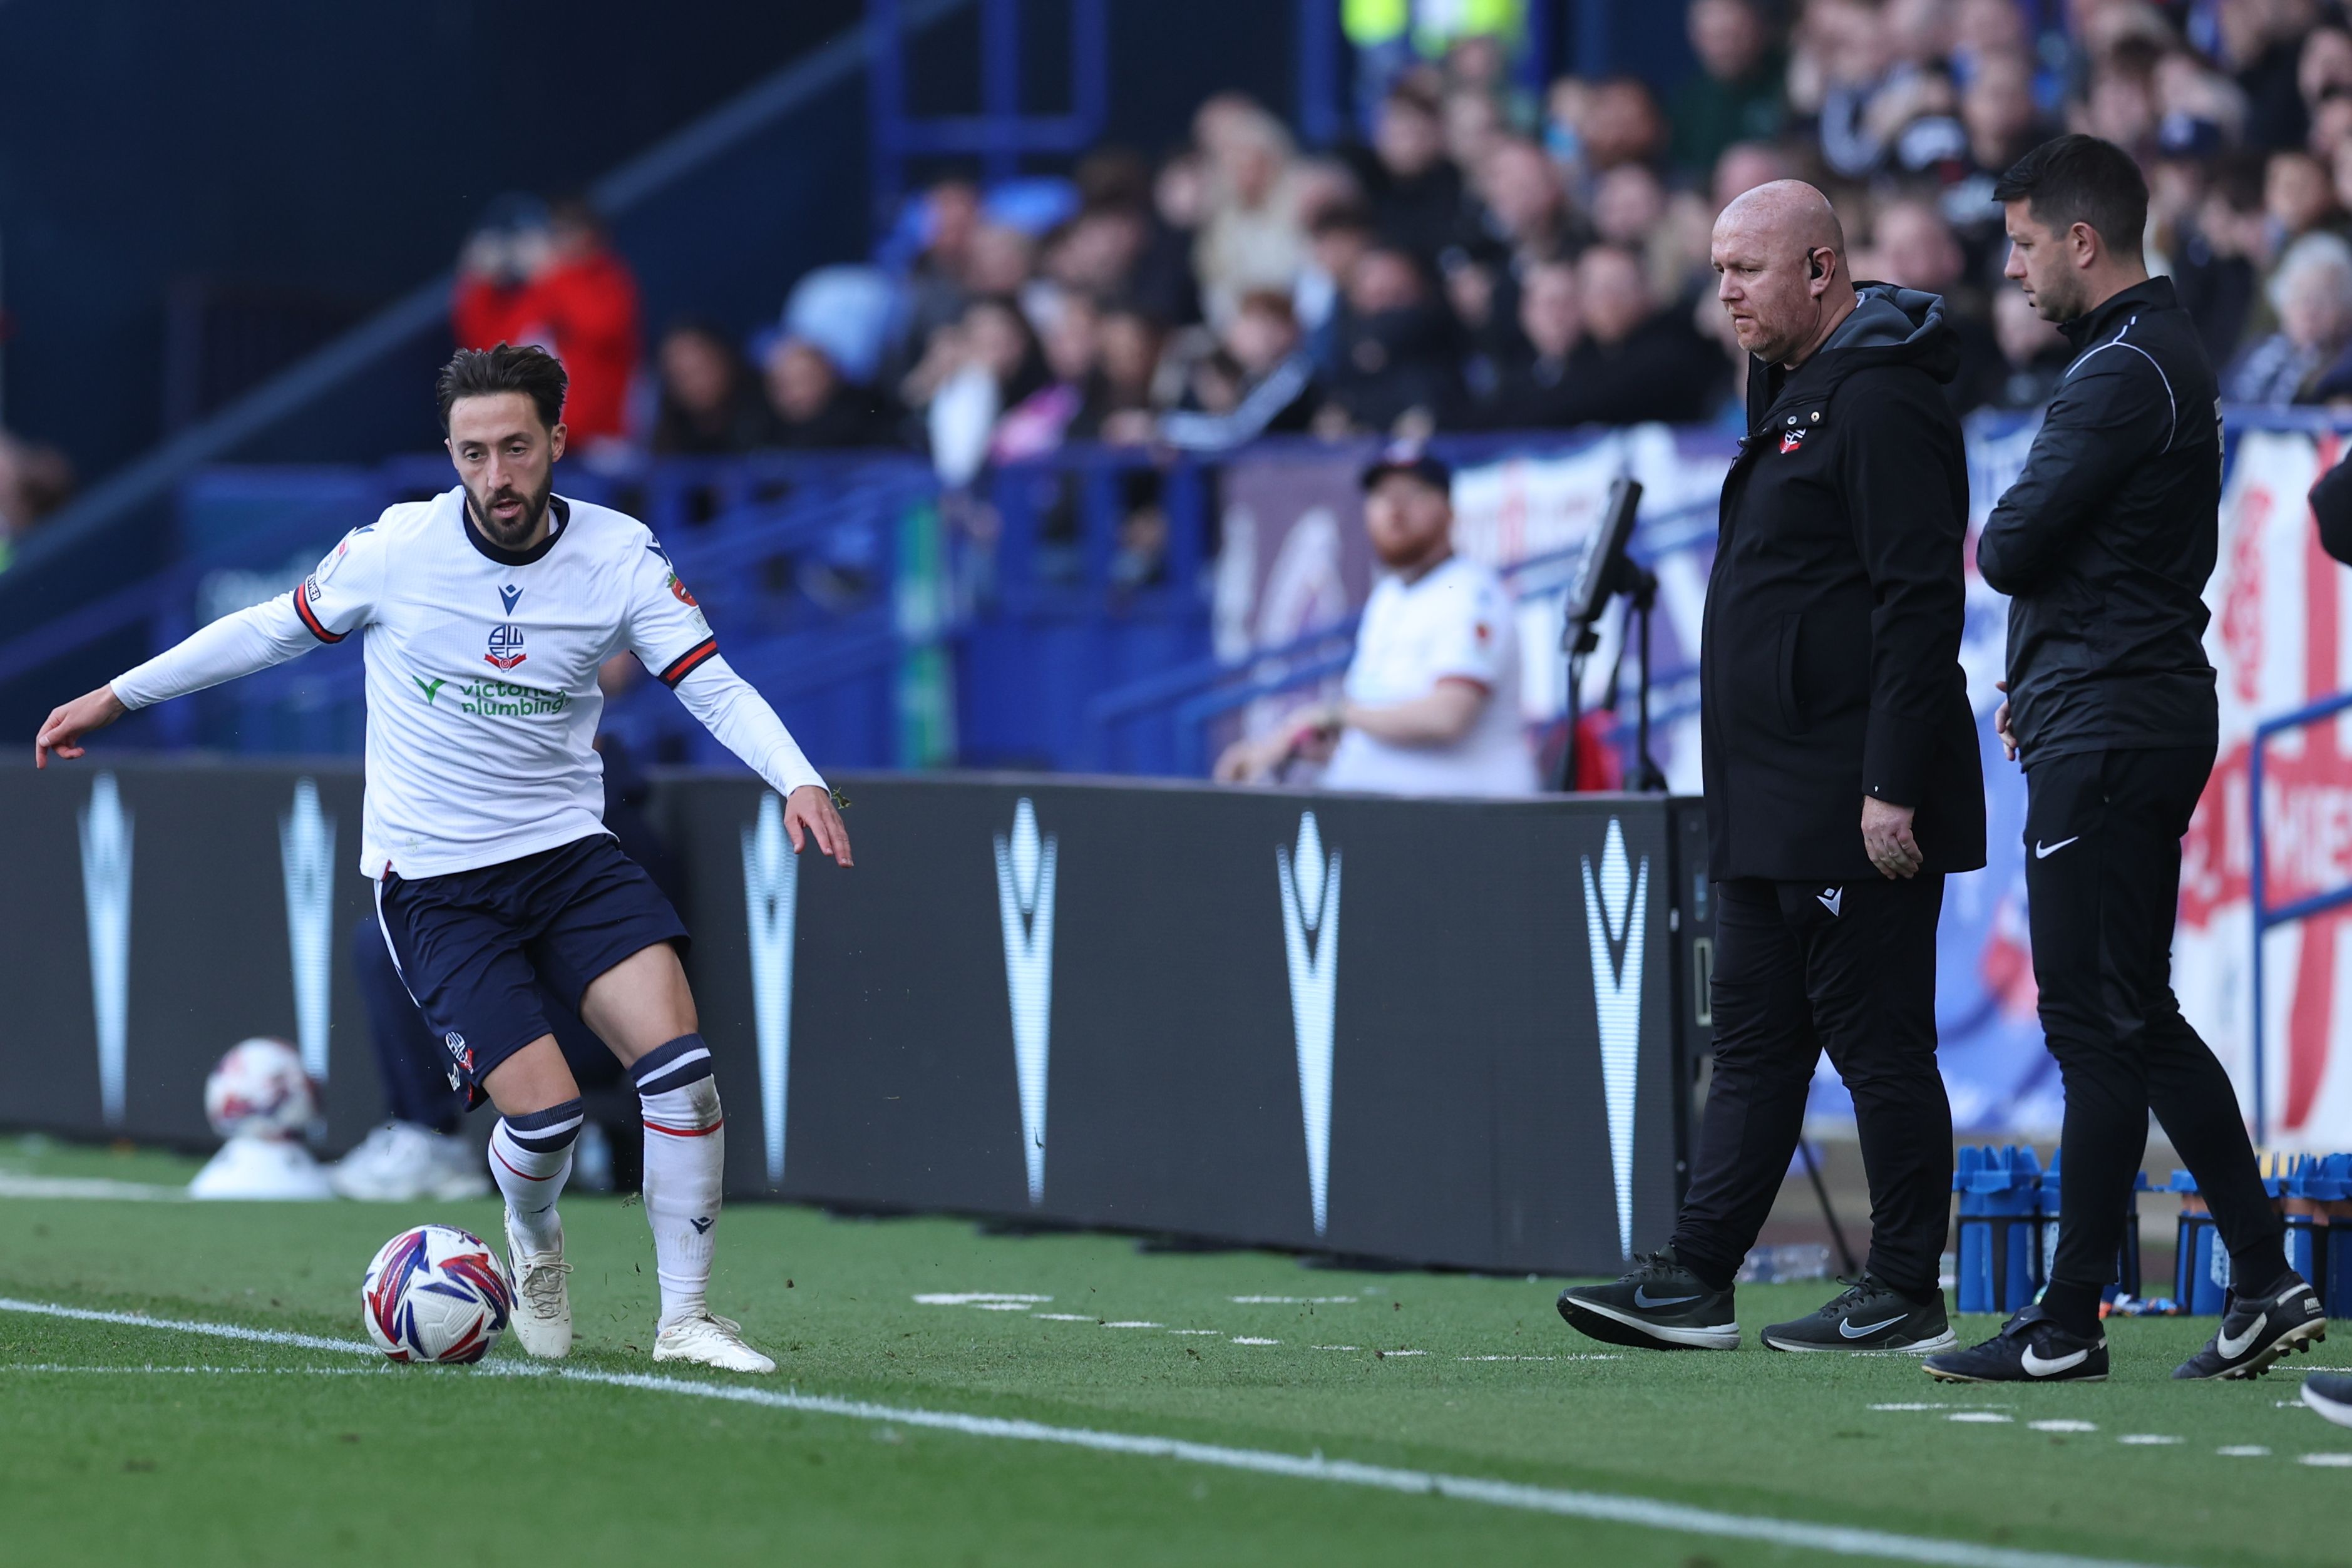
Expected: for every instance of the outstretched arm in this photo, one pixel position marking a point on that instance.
(670, 636)
(1440, 718)
(253, 639)
(326, 607)
(62, 731)
(740, 717)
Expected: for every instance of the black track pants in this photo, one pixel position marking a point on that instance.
(1801, 968)
(2102, 833)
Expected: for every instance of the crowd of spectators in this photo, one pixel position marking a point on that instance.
(1488, 259)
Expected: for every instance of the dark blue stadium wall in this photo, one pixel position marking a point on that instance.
(336, 148)
(343, 149)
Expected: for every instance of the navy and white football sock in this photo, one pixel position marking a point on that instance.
(531, 1155)
(686, 1155)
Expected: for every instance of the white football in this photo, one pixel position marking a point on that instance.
(436, 1293)
(259, 1089)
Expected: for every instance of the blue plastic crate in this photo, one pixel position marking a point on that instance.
(2128, 1280)
(2001, 1203)
(2200, 1269)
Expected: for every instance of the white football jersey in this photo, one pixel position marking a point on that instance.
(1454, 622)
(482, 672)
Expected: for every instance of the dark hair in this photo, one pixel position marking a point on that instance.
(1348, 217)
(575, 210)
(1267, 302)
(486, 373)
(2080, 178)
(1407, 93)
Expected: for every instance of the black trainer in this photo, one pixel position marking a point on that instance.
(1871, 1315)
(2030, 1348)
(1661, 1305)
(2330, 1394)
(2257, 1331)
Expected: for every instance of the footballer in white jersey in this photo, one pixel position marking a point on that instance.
(486, 613)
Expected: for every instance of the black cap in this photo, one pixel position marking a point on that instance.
(1409, 457)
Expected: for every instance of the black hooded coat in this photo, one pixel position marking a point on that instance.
(1829, 667)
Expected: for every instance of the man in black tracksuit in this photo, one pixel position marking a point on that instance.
(2104, 546)
(1843, 783)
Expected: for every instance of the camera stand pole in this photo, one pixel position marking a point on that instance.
(1566, 781)
(1640, 586)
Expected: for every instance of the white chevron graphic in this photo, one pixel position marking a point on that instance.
(105, 904)
(1024, 905)
(770, 894)
(1614, 919)
(306, 852)
(1311, 935)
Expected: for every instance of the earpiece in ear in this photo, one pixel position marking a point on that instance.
(1815, 262)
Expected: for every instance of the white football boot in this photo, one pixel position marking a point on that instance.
(709, 1340)
(542, 1314)
(403, 1163)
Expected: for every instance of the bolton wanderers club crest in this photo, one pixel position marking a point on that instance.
(506, 647)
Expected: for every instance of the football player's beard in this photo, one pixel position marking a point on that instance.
(515, 534)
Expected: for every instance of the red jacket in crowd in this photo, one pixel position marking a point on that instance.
(583, 310)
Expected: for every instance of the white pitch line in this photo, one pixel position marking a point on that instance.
(16, 1184)
(1648, 1513)
(217, 1330)
(386, 1370)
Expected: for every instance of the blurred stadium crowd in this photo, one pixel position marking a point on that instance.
(1485, 259)
(1480, 256)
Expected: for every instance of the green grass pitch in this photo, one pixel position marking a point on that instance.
(124, 1444)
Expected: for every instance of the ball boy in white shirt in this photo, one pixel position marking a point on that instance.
(1432, 698)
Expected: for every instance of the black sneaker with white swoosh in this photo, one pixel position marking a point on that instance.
(2256, 1331)
(2030, 1348)
(1661, 1305)
(1870, 1315)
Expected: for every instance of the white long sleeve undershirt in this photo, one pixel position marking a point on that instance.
(253, 639)
(730, 709)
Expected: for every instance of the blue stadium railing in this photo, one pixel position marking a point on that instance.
(1057, 618)
(891, 629)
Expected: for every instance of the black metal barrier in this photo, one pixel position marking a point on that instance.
(1450, 1033)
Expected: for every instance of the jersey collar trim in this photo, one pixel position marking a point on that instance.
(556, 505)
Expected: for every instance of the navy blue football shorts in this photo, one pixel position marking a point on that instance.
(474, 947)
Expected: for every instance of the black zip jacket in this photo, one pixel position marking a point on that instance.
(1829, 666)
(2105, 542)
